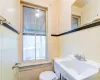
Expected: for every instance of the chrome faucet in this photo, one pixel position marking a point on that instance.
(80, 57)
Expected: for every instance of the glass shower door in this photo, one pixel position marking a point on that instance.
(0, 53)
(8, 53)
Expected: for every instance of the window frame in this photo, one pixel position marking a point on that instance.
(79, 20)
(21, 30)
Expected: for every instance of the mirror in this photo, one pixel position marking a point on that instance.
(85, 12)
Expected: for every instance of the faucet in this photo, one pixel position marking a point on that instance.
(80, 57)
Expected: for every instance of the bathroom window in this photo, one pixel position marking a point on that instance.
(34, 33)
(75, 21)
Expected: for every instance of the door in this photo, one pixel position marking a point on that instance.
(0, 53)
(9, 52)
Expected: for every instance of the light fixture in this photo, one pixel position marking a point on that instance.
(37, 10)
(11, 10)
(37, 15)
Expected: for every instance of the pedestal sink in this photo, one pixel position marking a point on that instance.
(72, 69)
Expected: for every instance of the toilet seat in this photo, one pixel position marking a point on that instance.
(48, 75)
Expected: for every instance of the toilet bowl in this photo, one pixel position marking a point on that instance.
(48, 75)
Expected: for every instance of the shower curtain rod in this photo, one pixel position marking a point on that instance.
(7, 24)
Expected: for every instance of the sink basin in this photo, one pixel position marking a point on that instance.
(77, 66)
(72, 69)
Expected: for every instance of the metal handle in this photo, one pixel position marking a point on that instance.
(3, 20)
(16, 65)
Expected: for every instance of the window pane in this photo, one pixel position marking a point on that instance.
(41, 32)
(34, 34)
(40, 47)
(74, 23)
(29, 19)
(40, 21)
(28, 47)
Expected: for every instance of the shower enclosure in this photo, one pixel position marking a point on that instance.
(8, 50)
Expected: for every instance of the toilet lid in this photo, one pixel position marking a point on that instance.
(48, 75)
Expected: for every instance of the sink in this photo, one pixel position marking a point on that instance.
(72, 69)
(78, 66)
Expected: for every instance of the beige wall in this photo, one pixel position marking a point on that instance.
(10, 11)
(91, 11)
(76, 10)
(65, 15)
(85, 42)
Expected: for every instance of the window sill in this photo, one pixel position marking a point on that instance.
(34, 63)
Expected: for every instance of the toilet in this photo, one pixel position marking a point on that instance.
(48, 75)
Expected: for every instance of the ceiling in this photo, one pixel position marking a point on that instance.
(81, 3)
